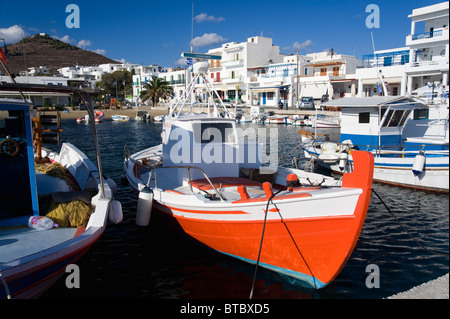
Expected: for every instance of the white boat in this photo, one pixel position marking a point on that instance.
(142, 116)
(158, 118)
(210, 185)
(295, 120)
(321, 121)
(120, 118)
(409, 138)
(80, 199)
(99, 116)
(277, 119)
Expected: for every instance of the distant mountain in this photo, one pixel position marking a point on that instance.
(43, 50)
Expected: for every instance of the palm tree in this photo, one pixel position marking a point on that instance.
(156, 89)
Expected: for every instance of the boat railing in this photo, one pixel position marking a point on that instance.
(188, 168)
(378, 150)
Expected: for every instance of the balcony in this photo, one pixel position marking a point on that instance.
(233, 62)
(428, 37)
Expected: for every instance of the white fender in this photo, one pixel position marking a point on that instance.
(115, 212)
(144, 207)
(419, 164)
(343, 161)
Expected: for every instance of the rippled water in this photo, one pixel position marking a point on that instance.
(155, 263)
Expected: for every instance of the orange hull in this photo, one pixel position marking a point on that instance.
(310, 249)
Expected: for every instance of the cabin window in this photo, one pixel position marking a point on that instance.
(364, 117)
(421, 114)
(214, 133)
(405, 117)
(396, 118)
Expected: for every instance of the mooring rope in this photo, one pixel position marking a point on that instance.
(439, 253)
(261, 242)
(5, 285)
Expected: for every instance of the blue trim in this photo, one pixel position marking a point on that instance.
(30, 153)
(313, 282)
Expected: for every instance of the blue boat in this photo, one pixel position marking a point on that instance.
(409, 138)
(66, 187)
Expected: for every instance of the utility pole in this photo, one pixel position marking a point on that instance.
(296, 105)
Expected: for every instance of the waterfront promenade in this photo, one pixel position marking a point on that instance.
(163, 109)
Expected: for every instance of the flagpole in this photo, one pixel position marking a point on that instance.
(9, 74)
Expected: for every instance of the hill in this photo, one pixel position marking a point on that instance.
(43, 50)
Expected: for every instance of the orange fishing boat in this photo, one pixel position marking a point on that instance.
(297, 223)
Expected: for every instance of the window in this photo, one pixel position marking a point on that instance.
(364, 117)
(323, 71)
(285, 72)
(214, 133)
(336, 71)
(405, 117)
(270, 95)
(396, 118)
(421, 114)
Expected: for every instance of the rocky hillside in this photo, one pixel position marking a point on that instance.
(43, 50)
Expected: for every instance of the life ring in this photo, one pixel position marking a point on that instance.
(9, 147)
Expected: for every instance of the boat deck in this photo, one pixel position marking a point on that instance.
(19, 242)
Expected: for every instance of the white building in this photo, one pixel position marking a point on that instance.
(423, 60)
(428, 45)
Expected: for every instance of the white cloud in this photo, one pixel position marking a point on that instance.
(84, 43)
(65, 39)
(100, 51)
(180, 61)
(12, 34)
(302, 46)
(202, 17)
(207, 39)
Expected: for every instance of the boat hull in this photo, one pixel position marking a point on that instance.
(310, 233)
(313, 250)
(30, 280)
(398, 171)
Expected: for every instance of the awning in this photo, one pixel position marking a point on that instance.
(268, 89)
(316, 90)
(388, 80)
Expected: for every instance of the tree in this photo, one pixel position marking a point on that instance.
(156, 89)
(109, 81)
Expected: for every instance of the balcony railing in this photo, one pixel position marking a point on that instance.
(426, 35)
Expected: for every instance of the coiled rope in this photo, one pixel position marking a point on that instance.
(434, 252)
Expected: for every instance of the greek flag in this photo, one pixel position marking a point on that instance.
(189, 61)
(379, 88)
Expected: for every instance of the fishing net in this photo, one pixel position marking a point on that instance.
(72, 214)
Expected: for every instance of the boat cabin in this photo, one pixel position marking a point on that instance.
(389, 121)
(213, 144)
(18, 195)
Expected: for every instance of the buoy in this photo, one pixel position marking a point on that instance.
(419, 163)
(144, 207)
(115, 212)
(343, 161)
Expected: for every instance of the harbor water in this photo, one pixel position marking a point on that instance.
(154, 262)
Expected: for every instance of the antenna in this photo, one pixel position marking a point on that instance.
(192, 29)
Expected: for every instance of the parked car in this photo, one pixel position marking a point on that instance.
(307, 102)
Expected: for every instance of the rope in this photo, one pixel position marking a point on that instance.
(407, 232)
(261, 242)
(5, 285)
(262, 238)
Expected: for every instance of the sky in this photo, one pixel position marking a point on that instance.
(157, 32)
